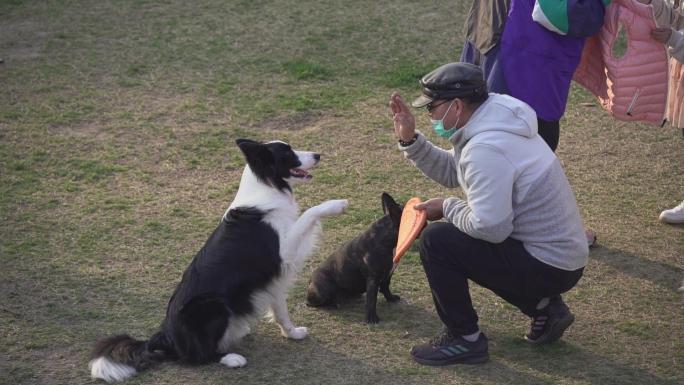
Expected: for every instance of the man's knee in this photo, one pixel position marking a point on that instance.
(437, 241)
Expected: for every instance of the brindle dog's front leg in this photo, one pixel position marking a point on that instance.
(371, 301)
(385, 290)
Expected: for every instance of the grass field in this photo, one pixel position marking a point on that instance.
(117, 159)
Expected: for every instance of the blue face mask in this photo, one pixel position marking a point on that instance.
(438, 124)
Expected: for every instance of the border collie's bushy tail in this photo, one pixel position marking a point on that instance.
(120, 357)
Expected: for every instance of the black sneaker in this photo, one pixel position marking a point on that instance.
(549, 325)
(446, 349)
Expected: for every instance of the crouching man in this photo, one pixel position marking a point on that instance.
(518, 232)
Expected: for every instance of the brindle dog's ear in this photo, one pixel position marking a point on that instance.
(389, 206)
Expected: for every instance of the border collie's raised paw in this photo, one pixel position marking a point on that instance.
(332, 207)
(233, 360)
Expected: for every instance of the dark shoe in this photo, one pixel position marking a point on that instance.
(549, 325)
(446, 349)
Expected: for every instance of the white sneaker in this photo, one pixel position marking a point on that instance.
(675, 215)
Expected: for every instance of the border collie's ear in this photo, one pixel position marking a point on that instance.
(389, 206)
(256, 154)
(244, 142)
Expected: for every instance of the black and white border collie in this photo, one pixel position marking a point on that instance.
(242, 273)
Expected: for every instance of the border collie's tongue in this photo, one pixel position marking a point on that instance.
(299, 173)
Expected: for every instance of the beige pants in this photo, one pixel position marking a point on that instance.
(675, 99)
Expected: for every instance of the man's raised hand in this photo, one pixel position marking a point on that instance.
(404, 122)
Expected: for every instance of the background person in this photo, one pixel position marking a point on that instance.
(670, 31)
(526, 60)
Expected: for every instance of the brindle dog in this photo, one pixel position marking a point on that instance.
(363, 264)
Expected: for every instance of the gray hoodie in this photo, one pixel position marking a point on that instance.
(513, 182)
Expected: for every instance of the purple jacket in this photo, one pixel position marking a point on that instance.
(538, 64)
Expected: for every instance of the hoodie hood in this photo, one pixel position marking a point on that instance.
(520, 119)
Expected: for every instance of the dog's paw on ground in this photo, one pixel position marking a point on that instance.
(233, 360)
(297, 333)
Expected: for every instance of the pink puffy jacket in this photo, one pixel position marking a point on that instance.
(633, 87)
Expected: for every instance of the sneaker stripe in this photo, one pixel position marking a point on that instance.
(448, 351)
(456, 349)
(453, 350)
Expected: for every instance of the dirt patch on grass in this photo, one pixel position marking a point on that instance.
(19, 53)
(22, 40)
(295, 122)
(89, 130)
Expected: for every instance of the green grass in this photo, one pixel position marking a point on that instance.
(117, 157)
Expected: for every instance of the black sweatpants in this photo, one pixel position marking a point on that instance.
(451, 258)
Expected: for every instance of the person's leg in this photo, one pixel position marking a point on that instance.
(490, 64)
(450, 293)
(539, 296)
(442, 247)
(549, 131)
(451, 257)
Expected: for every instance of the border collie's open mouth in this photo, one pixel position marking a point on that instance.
(299, 173)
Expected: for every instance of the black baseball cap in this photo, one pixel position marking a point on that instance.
(452, 80)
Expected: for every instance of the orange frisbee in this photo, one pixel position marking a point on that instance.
(412, 223)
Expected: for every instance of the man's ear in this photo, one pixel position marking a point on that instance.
(460, 107)
(459, 104)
